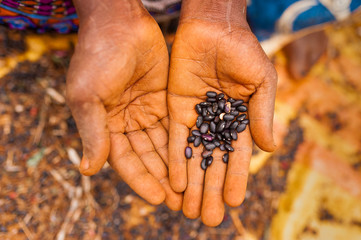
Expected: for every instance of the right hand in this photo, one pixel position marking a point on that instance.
(116, 90)
(213, 54)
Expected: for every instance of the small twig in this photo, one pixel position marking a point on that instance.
(55, 95)
(26, 230)
(73, 156)
(67, 186)
(42, 121)
(74, 205)
(9, 163)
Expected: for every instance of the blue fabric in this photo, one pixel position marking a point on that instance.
(264, 15)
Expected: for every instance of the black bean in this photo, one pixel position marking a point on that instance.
(191, 139)
(206, 153)
(234, 134)
(228, 117)
(209, 118)
(212, 127)
(219, 136)
(228, 124)
(220, 96)
(205, 104)
(199, 121)
(211, 94)
(211, 100)
(233, 109)
(207, 137)
(210, 146)
(234, 113)
(209, 161)
(228, 142)
(242, 108)
(221, 104)
(216, 119)
(215, 107)
(241, 127)
(188, 152)
(237, 103)
(220, 126)
(227, 107)
(229, 147)
(204, 164)
(231, 100)
(245, 121)
(197, 141)
(234, 125)
(199, 109)
(227, 136)
(225, 158)
(241, 117)
(210, 110)
(217, 143)
(204, 112)
(196, 133)
(204, 142)
(222, 147)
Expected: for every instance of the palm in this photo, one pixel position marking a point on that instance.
(209, 57)
(117, 90)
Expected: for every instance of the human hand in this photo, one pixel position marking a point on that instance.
(214, 50)
(116, 90)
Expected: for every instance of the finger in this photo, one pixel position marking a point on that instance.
(237, 170)
(212, 205)
(143, 147)
(131, 169)
(192, 200)
(261, 109)
(90, 117)
(178, 134)
(159, 137)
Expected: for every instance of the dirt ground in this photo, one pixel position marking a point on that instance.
(310, 188)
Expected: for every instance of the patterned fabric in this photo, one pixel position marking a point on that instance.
(43, 15)
(266, 17)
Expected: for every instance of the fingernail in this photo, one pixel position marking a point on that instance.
(84, 165)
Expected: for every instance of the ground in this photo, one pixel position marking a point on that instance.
(310, 188)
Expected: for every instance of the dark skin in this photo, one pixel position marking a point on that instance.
(214, 50)
(117, 91)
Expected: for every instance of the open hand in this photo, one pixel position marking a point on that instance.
(116, 89)
(223, 57)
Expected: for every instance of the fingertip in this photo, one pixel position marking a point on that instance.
(262, 134)
(213, 218)
(178, 184)
(158, 198)
(266, 144)
(178, 177)
(232, 201)
(89, 168)
(173, 199)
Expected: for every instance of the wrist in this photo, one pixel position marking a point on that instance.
(108, 9)
(218, 11)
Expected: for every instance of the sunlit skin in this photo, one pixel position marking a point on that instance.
(116, 90)
(214, 50)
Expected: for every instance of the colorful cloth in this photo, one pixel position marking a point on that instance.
(266, 17)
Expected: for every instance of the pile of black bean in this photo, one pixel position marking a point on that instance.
(218, 123)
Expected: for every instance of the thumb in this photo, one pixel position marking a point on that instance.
(90, 117)
(261, 111)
